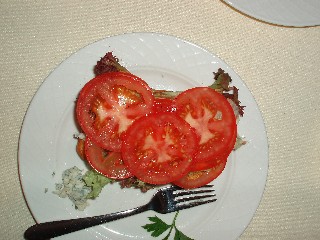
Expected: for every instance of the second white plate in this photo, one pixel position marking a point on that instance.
(295, 13)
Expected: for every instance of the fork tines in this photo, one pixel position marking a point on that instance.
(185, 198)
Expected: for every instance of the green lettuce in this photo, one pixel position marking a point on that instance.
(96, 181)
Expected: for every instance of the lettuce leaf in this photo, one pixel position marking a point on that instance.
(96, 181)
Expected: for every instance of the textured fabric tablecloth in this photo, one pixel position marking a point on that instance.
(280, 65)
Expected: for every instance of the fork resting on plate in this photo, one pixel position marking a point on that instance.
(165, 200)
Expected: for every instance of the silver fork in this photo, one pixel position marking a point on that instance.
(165, 200)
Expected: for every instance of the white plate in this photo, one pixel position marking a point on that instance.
(295, 13)
(47, 145)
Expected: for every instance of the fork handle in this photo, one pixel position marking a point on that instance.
(53, 229)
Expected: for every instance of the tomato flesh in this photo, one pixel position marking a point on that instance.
(109, 103)
(200, 178)
(164, 105)
(159, 148)
(110, 164)
(212, 116)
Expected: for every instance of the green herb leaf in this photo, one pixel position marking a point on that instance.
(180, 236)
(157, 227)
(168, 235)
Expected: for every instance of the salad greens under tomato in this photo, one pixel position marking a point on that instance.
(142, 137)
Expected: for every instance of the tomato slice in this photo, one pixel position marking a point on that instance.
(210, 113)
(109, 103)
(80, 148)
(164, 105)
(200, 178)
(159, 148)
(109, 164)
(203, 165)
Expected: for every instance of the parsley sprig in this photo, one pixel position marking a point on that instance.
(158, 227)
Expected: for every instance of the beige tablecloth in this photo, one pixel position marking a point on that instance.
(280, 65)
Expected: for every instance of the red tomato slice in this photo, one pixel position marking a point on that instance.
(109, 103)
(200, 178)
(203, 165)
(164, 105)
(80, 149)
(159, 148)
(210, 113)
(109, 164)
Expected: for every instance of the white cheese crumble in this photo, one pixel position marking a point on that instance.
(73, 187)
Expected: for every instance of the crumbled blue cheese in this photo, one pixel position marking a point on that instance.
(74, 188)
